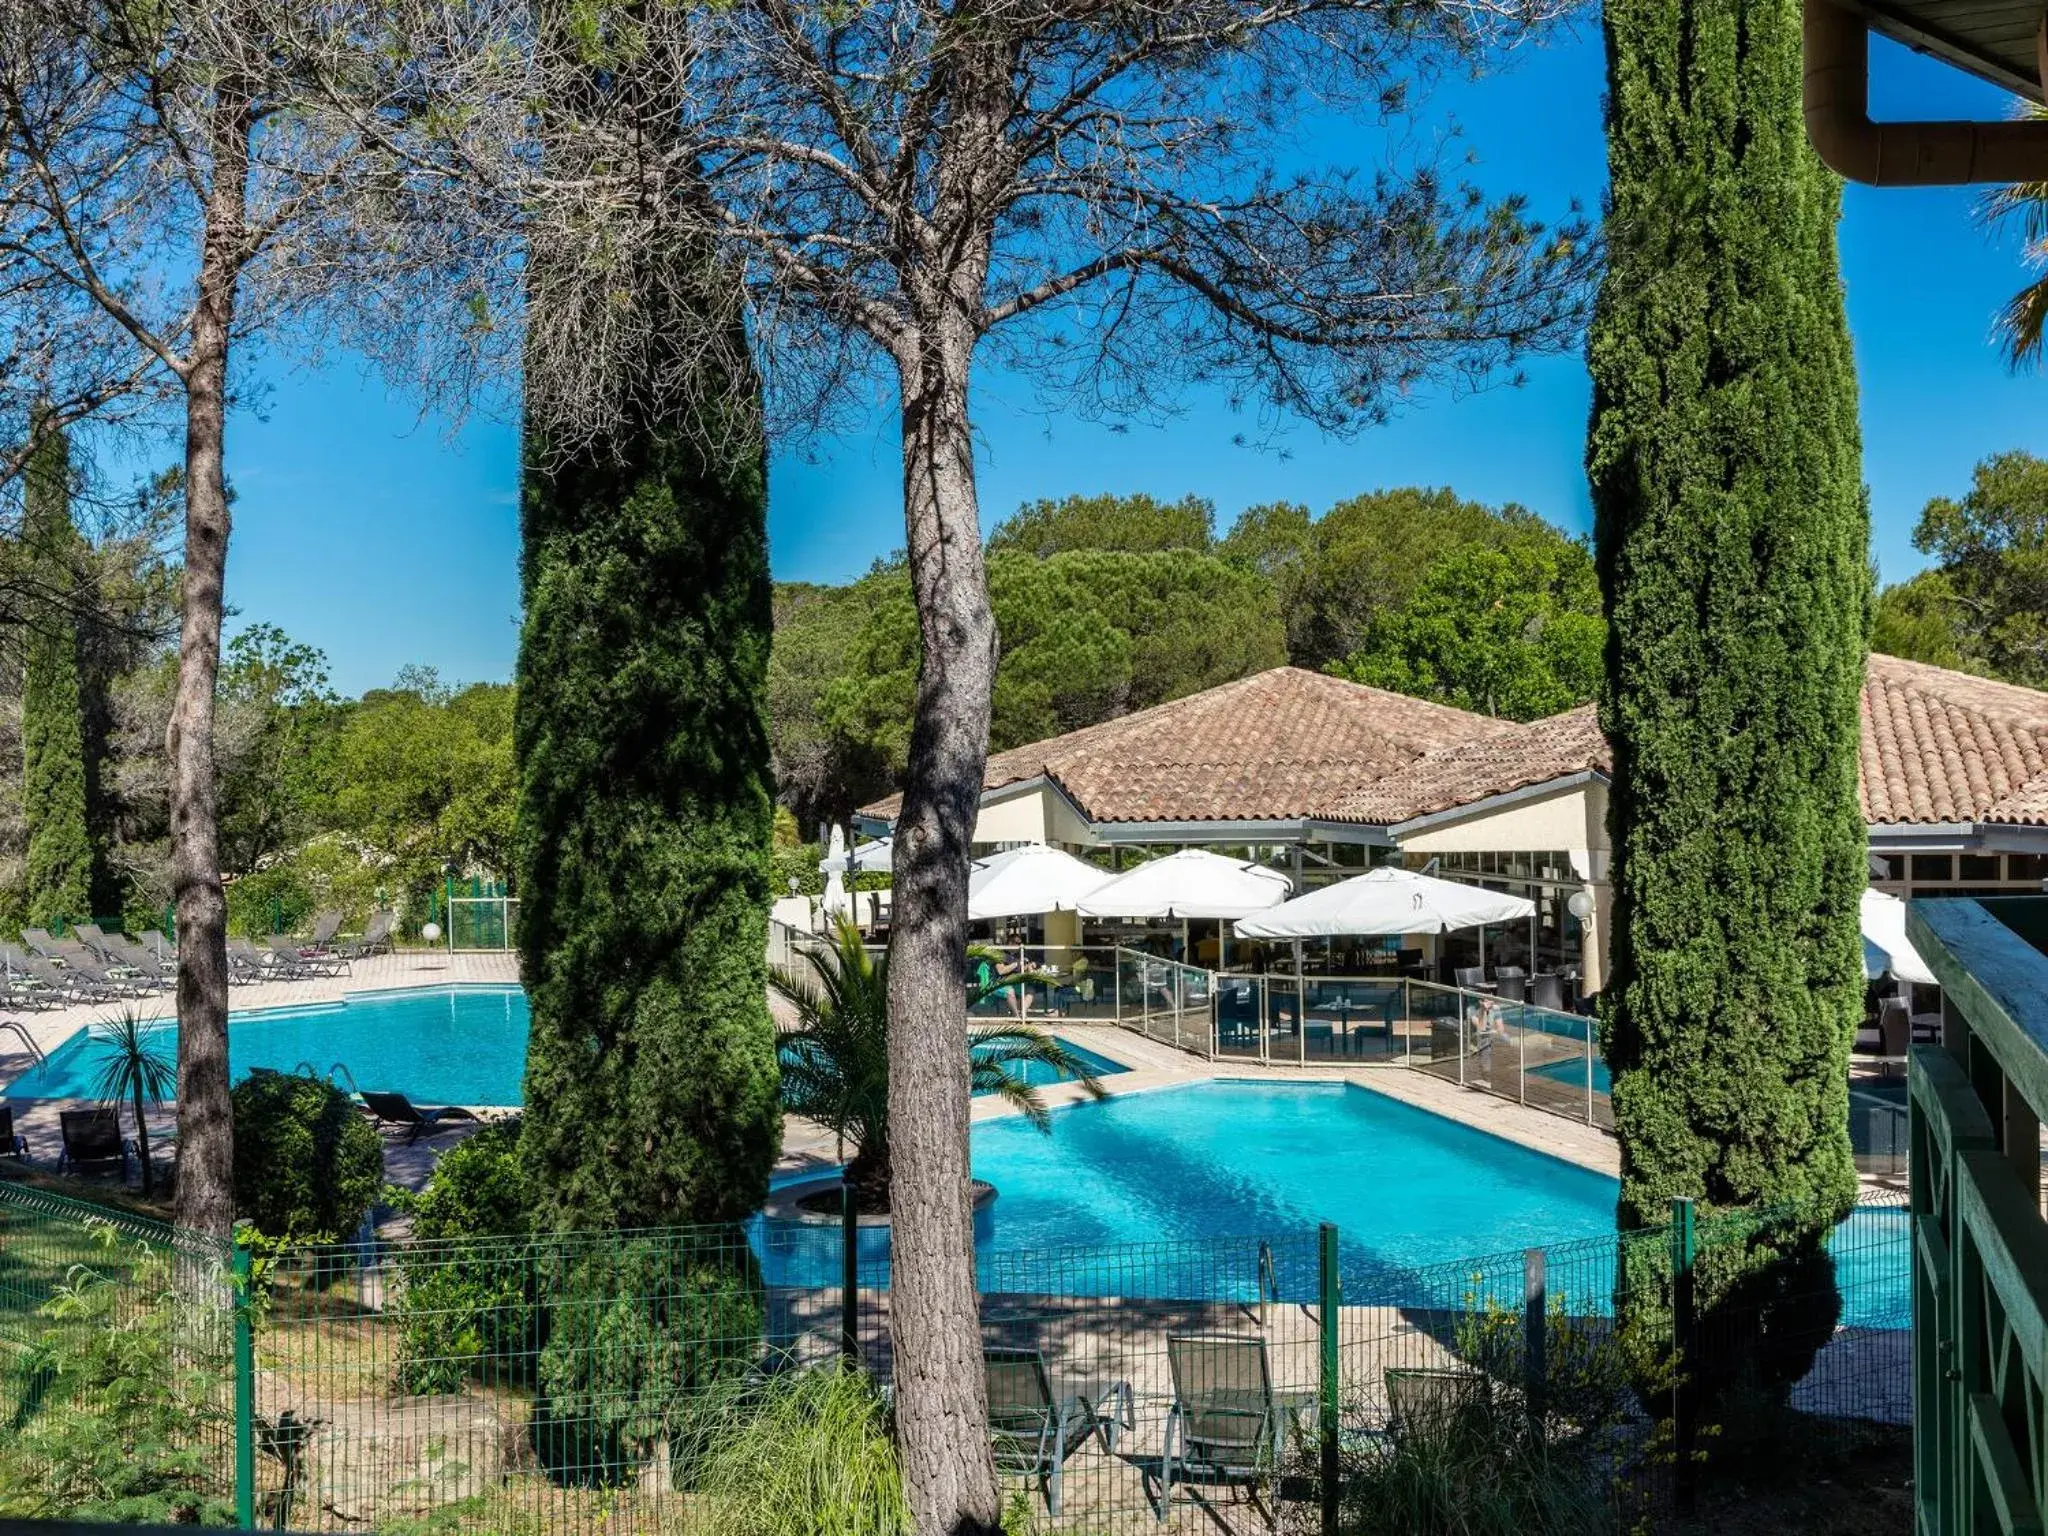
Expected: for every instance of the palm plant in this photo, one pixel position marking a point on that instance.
(2024, 205)
(835, 1057)
(136, 1074)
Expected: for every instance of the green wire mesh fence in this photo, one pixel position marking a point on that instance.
(614, 1382)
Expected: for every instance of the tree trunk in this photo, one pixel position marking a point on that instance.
(206, 1148)
(941, 1397)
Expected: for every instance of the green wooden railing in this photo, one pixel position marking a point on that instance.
(1980, 1245)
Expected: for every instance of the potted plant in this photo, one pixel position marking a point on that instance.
(835, 1057)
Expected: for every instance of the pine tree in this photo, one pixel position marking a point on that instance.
(645, 812)
(1731, 532)
(59, 871)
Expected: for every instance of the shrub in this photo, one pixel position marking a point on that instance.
(467, 1305)
(639, 1329)
(1472, 1469)
(115, 1413)
(307, 1165)
(808, 1454)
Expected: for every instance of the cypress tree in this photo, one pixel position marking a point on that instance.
(59, 869)
(645, 813)
(1731, 532)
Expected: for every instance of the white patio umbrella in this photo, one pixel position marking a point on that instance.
(1023, 882)
(1386, 901)
(1191, 883)
(1885, 945)
(836, 902)
(868, 858)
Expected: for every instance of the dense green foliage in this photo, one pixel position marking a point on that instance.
(640, 1328)
(1136, 525)
(1731, 532)
(60, 855)
(808, 1454)
(468, 1303)
(325, 801)
(1984, 604)
(1514, 631)
(307, 1164)
(645, 804)
(1086, 635)
(1335, 574)
(123, 1418)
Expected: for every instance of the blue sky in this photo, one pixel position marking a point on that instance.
(385, 540)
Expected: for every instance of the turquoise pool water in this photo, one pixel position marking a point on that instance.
(1572, 1072)
(1172, 1193)
(436, 1045)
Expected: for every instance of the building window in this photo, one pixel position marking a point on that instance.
(1940, 867)
(2026, 866)
(1978, 866)
(1893, 865)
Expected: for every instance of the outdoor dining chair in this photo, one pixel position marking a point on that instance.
(1547, 991)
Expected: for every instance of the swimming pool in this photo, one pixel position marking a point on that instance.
(436, 1045)
(1571, 1071)
(1172, 1192)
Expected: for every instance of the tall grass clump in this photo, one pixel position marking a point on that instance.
(1473, 1469)
(804, 1455)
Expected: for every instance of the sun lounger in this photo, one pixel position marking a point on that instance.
(70, 985)
(375, 938)
(92, 1142)
(1034, 1429)
(1227, 1427)
(104, 946)
(146, 967)
(325, 926)
(165, 951)
(304, 962)
(397, 1109)
(11, 1145)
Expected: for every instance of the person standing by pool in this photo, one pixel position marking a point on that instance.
(1489, 1027)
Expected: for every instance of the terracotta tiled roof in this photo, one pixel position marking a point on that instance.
(1495, 764)
(1942, 746)
(1938, 746)
(1276, 745)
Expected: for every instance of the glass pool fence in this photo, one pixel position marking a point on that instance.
(1536, 1056)
(600, 1382)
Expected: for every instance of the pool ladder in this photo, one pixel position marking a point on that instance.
(1268, 1279)
(36, 1053)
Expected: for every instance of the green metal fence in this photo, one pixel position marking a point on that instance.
(584, 1382)
(120, 1390)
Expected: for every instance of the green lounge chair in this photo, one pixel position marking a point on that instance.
(1227, 1427)
(1035, 1429)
